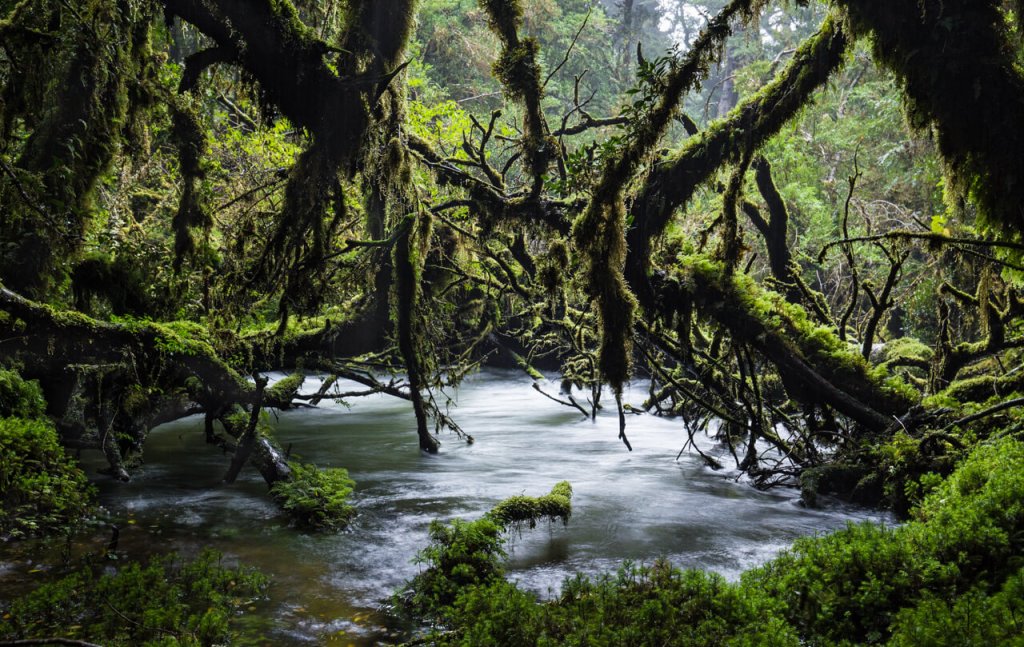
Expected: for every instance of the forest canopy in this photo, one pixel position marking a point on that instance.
(799, 222)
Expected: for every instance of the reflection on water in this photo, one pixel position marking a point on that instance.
(637, 505)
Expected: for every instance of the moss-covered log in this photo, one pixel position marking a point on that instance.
(107, 385)
(517, 510)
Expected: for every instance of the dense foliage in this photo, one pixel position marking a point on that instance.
(798, 222)
(316, 498)
(42, 490)
(167, 601)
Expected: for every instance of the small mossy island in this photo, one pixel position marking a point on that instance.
(793, 230)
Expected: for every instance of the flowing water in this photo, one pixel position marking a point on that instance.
(638, 505)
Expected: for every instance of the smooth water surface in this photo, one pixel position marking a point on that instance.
(637, 505)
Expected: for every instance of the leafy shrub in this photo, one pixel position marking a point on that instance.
(639, 606)
(853, 585)
(461, 555)
(166, 602)
(316, 498)
(41, 488)
(464, 555)
(974, 619)
(20, 398)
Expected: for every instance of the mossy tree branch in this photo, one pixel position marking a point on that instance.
(672, 182)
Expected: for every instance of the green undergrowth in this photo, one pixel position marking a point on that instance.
(315, 498)
(896, 473)
(20, 398)
(168, 601)
(466, 555)
(42, 490)
(952, 575)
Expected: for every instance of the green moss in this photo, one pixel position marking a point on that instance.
(518, 71)
(525, 509)
(135, 400)
(745, 300)
(906, 347)
(285, 389)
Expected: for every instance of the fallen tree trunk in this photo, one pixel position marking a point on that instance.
(107, 385)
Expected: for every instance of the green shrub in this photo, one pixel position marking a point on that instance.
(316, 498)
(166, 602)
(974, 619)
(41, 488)
(465, 555)
(639, 606)
(20, 398)
(461, 555)
(951, 576)
(852, 585)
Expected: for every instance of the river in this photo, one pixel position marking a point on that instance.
(637, 505)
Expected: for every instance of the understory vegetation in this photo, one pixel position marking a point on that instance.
(951, 575)
(42, 490)
(167, 601)
(798, 224)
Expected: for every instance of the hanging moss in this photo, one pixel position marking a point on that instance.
(603, 236)
(409, 255)
(383, 28)
(975, 106)
(114, 279)
(600, 231)
(519, 73)
(673, 182)
(193, 208)
(82, 123)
